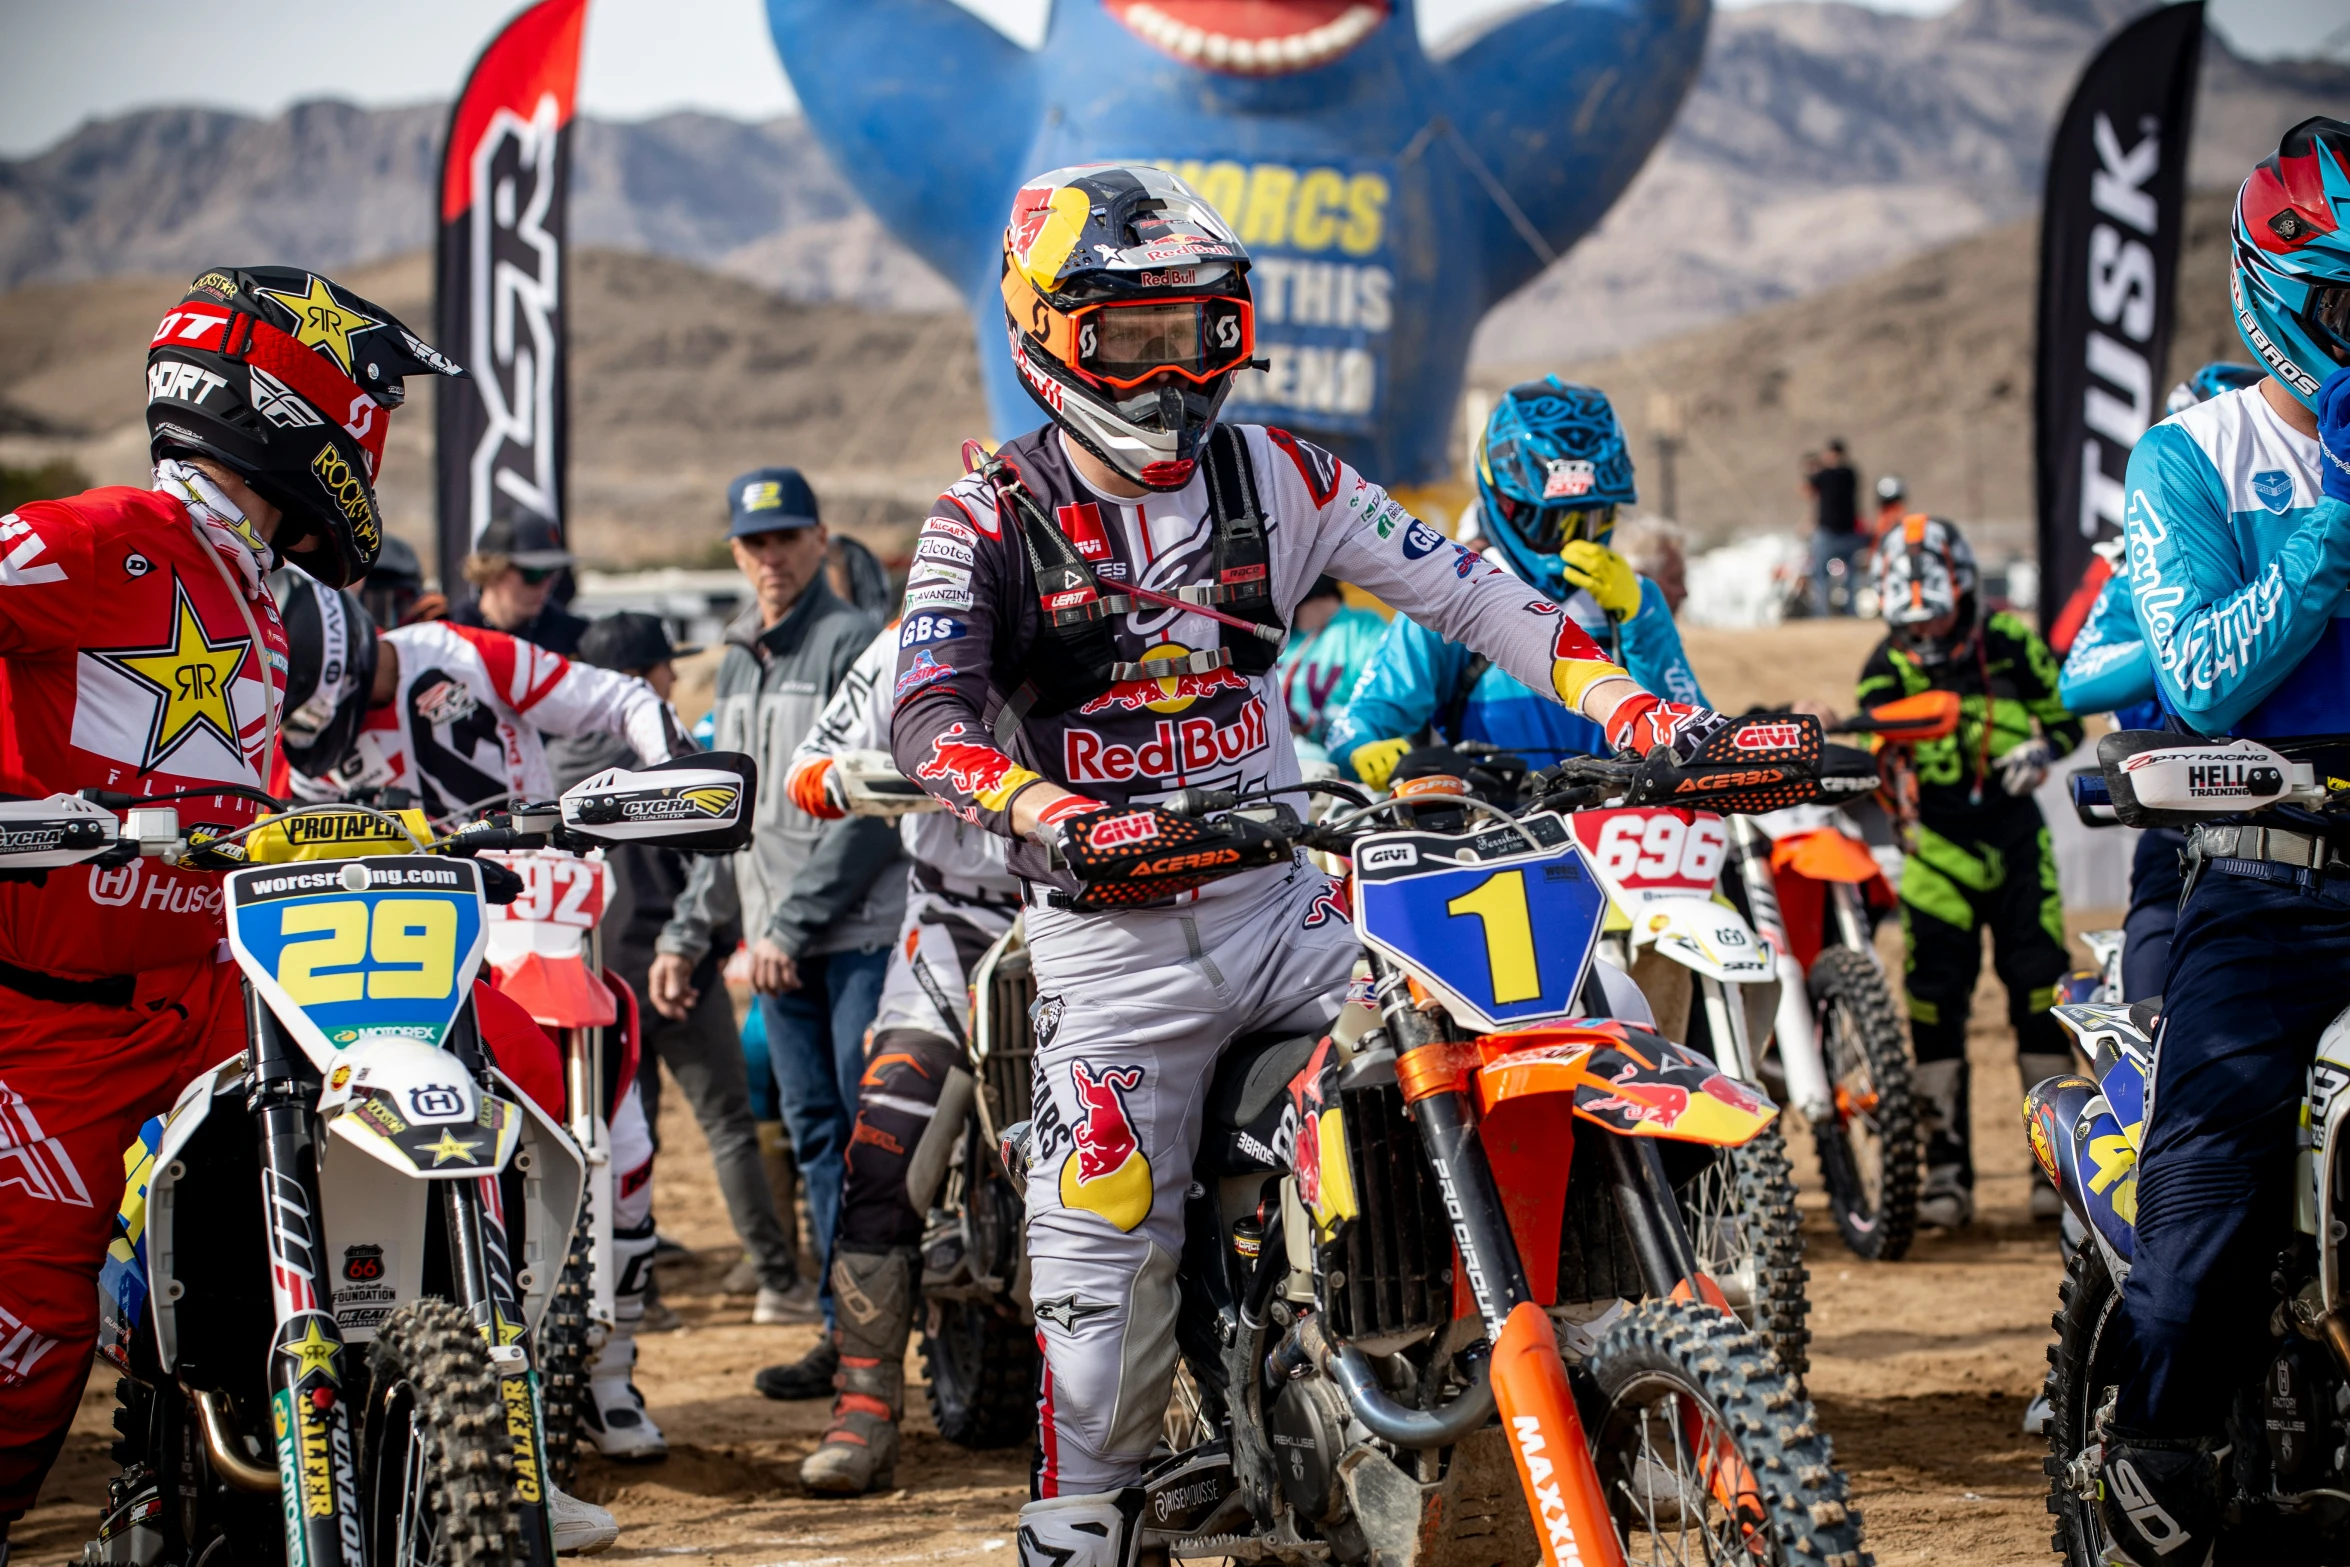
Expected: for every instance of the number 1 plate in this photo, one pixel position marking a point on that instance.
(1501, 930)
(396, 959)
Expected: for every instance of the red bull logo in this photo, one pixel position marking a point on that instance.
(973, 767)
(1657, 1104)
(1195, 745)
(1170, 693)
(1735, 1094)
(1107, 1173)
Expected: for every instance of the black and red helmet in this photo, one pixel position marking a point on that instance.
(288, 379)
(1127, 300)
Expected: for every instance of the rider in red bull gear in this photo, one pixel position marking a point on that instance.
(1099, 563)
(141, 652)
(2237, 517)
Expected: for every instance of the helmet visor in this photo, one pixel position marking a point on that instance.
(1124, 345)
(1548, 529)
(2328, 319)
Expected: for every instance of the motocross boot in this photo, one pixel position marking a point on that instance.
(2161, 1498)
(1079, 1531)
(1946, 1200)
(581, 1528)
(873, 1295)
(614, 1411)
(2047, 1206)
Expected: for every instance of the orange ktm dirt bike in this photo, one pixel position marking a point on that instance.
(1814, 888)
(1438, 1304)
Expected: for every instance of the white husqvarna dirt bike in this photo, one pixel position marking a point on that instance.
(332, 1250)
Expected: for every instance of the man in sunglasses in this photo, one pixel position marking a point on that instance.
(513, 569)
(1092, 622)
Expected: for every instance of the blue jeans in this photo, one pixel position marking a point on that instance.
(816, 1046)
(1853, 549)
(2259, 964)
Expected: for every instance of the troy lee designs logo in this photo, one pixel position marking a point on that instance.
(1191, 745)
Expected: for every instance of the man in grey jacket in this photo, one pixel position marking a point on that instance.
(819, 900)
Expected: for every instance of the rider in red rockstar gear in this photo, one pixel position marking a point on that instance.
(140, 651)
(1088, 626)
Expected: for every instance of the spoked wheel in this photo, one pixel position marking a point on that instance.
(2081, 1374)
(1707, 1452)
(1187, 1424)
(435, 1463)
(980, 1362)
(1741, 1216)
(1869, 1151)
(563, 1355)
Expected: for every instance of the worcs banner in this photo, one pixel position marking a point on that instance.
(504, 182)
(2109, 260)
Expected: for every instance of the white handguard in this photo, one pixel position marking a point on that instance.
(63, 829)
(870, 784)
(702, 804)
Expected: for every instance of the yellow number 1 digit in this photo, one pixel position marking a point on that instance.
(1499, 904)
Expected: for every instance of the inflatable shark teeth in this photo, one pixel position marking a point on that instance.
(1260, 56)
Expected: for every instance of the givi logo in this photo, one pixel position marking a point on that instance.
(1768, 737)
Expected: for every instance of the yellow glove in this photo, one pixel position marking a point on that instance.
(1605, 575)
(1376, 760)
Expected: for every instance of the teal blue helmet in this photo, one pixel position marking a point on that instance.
(2290, 284)
(2221, 375)
(1552, 466)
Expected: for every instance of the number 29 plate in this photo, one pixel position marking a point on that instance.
(1500, 929)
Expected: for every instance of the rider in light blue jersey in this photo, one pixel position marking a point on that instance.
(1552, 469)
(2238, 527)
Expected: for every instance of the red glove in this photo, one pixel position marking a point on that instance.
(806, 786)
(1642, 724)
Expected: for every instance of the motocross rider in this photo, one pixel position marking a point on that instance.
(2238, 525)
(916, 1089)
(1552, 470)
(1105, 603)
(453, 714)
(1330, 641)
(2106, 670)
(1983, 855)
(142, 653)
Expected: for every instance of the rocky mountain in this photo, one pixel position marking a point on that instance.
(1822, 140)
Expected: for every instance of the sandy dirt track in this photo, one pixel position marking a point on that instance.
(1920, 1368)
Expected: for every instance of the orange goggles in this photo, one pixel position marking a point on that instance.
(1125, 343)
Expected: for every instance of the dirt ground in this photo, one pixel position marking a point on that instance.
(1920, 1369)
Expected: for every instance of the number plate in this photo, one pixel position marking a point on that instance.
(1641, 854)
(337, 966)
(557, 889)
(1500, 930)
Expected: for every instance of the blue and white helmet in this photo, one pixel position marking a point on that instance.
(2290, 285)
(1552, 466)
(2221, 375)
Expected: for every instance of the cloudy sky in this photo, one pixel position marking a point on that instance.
(66, 61)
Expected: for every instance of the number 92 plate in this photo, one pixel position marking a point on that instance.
(1499, 928)
(361, 948)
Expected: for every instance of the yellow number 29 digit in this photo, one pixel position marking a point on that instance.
(1499, 905)
(341, 931)
(416, 946)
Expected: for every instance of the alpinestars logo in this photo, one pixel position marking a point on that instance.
(1068, 1311)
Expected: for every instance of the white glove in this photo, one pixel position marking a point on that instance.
(2024, 768)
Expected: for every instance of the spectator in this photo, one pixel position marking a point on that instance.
(393, 589)
(1836, 534)
(700, 1049)
(512, 571)
(1892, 504)
(1658, 550)
(821, 901)
(1329, 643)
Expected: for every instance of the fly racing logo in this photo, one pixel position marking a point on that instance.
(2151, 1519)
(1542, 1477)
(21, 1348)
(16, 567)
(33, 1160)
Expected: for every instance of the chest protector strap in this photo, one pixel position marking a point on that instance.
(1075, 655)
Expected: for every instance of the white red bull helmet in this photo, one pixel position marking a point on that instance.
(1924, 571)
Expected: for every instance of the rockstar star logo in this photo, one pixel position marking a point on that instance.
(322, 321)
(451, 1146)
(191, 676)
(315, 1351)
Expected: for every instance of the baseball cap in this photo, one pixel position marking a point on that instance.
(768, 500)
(529, 540)
(629, 640)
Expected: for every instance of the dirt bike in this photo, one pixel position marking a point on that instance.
(1459, 1205)
(979, 1356)
(1814, 889)
(2289, 1473)
(341, 1372)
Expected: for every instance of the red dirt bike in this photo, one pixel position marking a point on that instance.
(1438, 1303)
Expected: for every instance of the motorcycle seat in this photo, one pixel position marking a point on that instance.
(1250, 1121)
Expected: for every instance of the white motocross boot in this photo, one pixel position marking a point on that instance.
(581, 1528)
(1074, 1531)
(614, 1411)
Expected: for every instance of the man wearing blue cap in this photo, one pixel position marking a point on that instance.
(820, 901)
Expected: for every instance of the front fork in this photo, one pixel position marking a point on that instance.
(1808, 1087)
(1555, 1472)
(317, 1470)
